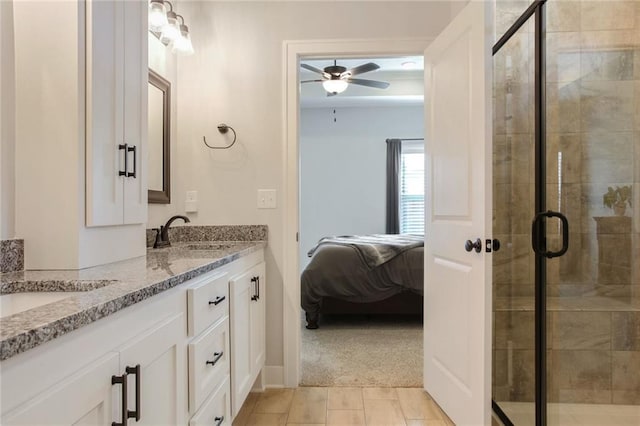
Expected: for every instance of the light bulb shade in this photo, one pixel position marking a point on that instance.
(171, 31)
(157, 15)
(182, 44)
(335, 86)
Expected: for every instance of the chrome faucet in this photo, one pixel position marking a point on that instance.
(162, 233)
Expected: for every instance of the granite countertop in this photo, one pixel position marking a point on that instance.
(107, 289)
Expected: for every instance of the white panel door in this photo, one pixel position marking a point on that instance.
(104, 114)
(160, 352)
(457, 310)
(136, 76)
(85, 398)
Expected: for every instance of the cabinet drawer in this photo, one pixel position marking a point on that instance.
(216, 410)
(207, 302)
(208, 362)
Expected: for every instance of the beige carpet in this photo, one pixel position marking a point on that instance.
(363, 351)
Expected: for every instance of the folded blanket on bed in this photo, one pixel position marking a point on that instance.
(375, 249)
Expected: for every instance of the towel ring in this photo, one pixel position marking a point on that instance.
(222, 128)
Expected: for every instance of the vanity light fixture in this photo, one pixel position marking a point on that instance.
(157, 15)
(164, 24)
(183, 43)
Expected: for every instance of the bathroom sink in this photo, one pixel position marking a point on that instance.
(19, 296)
(14, 303)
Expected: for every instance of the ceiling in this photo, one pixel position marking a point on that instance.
(406, 83)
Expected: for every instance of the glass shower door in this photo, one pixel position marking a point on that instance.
(593, 178)
(513, 206)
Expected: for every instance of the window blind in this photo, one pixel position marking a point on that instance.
(412, 190)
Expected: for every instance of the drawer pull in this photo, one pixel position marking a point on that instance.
(216, 358)
(135, 162)
(217, 301)
(135, 413)
(121, 380)
(219, 420)
(254, 281)
(124, 147)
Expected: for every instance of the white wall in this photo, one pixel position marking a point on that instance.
(343, 168)
(7, 122)
(236, 77)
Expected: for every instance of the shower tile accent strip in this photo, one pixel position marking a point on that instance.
(11, 255)
(191, 233)
(106, 289)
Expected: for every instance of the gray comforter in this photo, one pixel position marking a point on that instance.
(362, 269)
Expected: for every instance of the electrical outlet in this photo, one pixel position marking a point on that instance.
(267, 199)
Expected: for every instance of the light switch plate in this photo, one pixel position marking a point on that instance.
(267, 199)
(191, 202)
(192, 196)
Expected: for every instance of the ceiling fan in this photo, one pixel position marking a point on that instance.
(336, 78)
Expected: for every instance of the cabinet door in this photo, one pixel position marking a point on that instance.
(247, 331)
(136, 77)
(116, 118)
(240, 291)
(86, 398)
(257, 313)
(160, 354)
(104, 113)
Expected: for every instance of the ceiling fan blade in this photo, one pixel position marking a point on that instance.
(316, 70)
(361, 69)
(369, 83)
(312, 81)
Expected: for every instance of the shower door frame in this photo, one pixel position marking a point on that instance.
(537, 11)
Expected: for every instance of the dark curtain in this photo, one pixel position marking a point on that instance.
(394, 148)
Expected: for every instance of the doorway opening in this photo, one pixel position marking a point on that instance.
(362, 179)
(294, 51)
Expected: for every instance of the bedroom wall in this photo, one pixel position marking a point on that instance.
(343, 168)
(235, 77)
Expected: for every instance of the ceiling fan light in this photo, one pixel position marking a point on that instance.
(171, 31)
(409, 65)
(157, 15)
(335, 86)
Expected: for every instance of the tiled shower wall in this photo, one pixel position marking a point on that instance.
(593, 142)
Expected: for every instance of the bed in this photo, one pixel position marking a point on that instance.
(370, 274)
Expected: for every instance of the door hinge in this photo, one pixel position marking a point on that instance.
(297, 237)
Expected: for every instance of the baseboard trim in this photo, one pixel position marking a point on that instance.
(273, 376)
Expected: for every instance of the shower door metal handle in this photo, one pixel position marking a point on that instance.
(538, 240)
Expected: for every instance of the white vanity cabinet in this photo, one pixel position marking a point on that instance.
(180, 357)
(209, 351)
(116, 112)
(150, 367)
(84, 377)
(154, 363)
(247, 292)
(85, 398)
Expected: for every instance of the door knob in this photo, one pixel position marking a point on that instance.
(470, 245)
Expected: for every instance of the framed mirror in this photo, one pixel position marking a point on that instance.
(159, 139)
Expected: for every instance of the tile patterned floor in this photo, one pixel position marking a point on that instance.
(348, 406)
